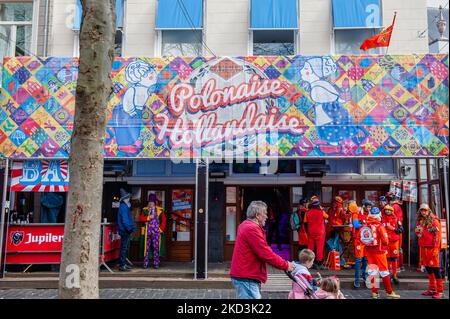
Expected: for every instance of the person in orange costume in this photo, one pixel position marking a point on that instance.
(375, 239)
(428, 230)
(359, 218)
(315, 217)
(394, 228)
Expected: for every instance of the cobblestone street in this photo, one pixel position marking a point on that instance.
(184, 294)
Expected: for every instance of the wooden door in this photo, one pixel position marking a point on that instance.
(181, 223)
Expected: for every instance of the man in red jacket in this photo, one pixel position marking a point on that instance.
(251, 253)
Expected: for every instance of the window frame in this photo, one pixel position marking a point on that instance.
(363, 167)
(159, 37)
(13, 24)
(76, 33)
(333, 29)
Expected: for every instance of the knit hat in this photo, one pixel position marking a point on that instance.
(425, 207)
(124, 194)
(375, 211)
(338, 199)
(366, 202)
(382, 198)
(152, 198)
(315, 202)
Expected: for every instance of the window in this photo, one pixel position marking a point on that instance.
(353, 22)
(348, 41)
(181, 42)
(119, 28)
(150, 168)
(281, 166)
(344, 166)
(273, 42)
(15, 29)
(273, 27)
(379, 166)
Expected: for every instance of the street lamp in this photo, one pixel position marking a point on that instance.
(441, 25)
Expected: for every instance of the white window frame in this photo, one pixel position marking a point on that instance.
(158, 40)
(333, 29)
(333, 38)
(250, 31)
(14, 24)
(158, 37)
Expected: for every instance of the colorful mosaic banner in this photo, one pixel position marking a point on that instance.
(266, 106)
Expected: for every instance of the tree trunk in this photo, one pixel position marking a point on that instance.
(80, 257)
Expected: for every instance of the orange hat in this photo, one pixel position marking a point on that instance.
(314, 198)
(353, 207)
(338, 199)
(388, 207)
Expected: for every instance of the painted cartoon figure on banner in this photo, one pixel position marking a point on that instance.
(127, 116)
(332, 120)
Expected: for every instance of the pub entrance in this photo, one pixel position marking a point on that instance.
(278, 201)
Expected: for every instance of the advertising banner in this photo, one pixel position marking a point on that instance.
(34, 244)
(409, 193)
(261, 106)
(40, 176)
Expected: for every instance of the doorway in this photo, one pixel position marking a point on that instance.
(277, 231)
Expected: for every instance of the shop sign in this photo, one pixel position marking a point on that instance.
(253, 106)
(40, 176)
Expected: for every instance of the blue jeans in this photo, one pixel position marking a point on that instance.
(246, 288)
(360, 263)
(124, 243)
(334, 243)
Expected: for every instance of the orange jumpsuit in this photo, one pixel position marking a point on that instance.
(376, 256)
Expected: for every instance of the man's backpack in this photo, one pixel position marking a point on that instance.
(295, 221)
(368, 235)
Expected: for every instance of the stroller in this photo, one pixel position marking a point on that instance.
(302, 288)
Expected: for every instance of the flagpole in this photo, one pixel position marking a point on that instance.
(393, 21)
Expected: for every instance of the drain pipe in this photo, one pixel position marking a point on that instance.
(47, 8)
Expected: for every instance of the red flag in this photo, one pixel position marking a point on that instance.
(380, 40)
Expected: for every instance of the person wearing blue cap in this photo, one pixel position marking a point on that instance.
(126, 227)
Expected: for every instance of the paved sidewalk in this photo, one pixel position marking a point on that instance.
(185, 294)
